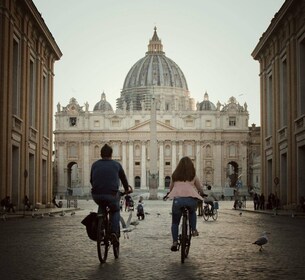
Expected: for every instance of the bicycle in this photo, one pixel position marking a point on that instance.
(104, 236)
(184, 238)
(207, 211)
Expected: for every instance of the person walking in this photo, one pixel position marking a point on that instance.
(184, 189)
(105, 177)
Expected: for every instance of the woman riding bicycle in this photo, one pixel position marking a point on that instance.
(184, 188)
(105, 178)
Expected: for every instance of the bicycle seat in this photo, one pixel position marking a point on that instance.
(185, 208)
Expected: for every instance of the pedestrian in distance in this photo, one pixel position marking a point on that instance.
(54, 202)
(184, 190)
(27, 204)
(7, 204)
(105, 177)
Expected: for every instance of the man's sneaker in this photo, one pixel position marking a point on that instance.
(114, 239)
(195, 233)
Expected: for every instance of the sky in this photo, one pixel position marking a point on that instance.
(210, 40)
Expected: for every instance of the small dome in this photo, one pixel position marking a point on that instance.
(103, 104)
(206, 104)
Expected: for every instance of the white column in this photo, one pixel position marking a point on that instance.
(174, 156)
(62, 170)
(143, 166)
(161, 166)
(130, 164)
(86, 171)
(198, 160)
(124, 156)
(180, 153)
(218, 165)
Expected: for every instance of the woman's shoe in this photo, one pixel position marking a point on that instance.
(174, 247)
(195, 233)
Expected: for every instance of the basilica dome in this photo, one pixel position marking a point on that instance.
(155, 69)
(103, 105)
(153, 74)
(206, 104)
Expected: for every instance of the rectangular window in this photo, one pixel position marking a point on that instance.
(269, 107)
(232, 121)
(301, 79)
(283, 93)
(167, 163)
(137, 163)
(32, 93)
(16, 78)
(189, 123)
(45, 105)
(115, 123)
(72, 121)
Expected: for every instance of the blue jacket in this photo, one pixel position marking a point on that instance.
(106, 175)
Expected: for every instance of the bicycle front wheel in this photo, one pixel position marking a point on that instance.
(215, 214)
(206, 214)
(116, 249)
(102, 242)
(183, 241)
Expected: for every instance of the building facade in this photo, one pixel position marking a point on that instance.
(216, 138)
(281, 55)
(27, 56)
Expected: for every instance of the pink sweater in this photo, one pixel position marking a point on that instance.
(185, 189)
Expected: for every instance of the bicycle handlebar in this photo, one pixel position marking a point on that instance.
(166, 196)
(130, 190)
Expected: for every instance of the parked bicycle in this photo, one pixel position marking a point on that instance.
(207, 211)
(104, 236)
(185, 236)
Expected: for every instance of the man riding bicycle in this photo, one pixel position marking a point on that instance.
(209, 197)
(105, 178)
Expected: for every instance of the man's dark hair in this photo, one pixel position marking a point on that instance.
(106, 151)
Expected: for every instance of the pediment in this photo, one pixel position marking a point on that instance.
(145, 126)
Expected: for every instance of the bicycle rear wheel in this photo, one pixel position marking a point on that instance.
(102, 242)
(183, 241)
(188, 241)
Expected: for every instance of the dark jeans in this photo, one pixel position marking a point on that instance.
(113, 202)
(178, 203)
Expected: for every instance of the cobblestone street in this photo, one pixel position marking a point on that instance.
(58, 247)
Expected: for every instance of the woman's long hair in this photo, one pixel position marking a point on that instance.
(185, 170)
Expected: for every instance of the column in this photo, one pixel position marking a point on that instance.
(198, 160)
(180, 153)
(161, 165)
(174, 156)
(143, 166)
(130, 164)
(85, 180)
(124, 164)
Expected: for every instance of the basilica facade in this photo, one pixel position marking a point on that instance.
(154, 105)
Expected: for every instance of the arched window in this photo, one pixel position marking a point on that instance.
(137, 182)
